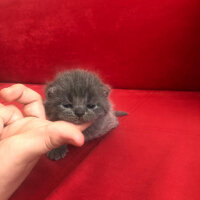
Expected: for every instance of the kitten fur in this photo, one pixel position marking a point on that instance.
(79, 96)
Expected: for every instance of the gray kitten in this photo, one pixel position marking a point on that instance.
(79, 96)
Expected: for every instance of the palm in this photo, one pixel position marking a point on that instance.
(23, 125)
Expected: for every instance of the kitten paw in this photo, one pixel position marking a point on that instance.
(58, 153)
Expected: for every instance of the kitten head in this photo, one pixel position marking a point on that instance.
(77, 96)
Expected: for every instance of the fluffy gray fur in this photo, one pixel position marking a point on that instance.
(79, 96)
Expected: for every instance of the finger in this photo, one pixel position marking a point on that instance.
(59, 133)
(46, 138)
(64, 133)
(8, 115)
(33, 104)
(82, 127)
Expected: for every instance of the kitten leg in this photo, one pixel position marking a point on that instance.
(58, 153)
(88, 135)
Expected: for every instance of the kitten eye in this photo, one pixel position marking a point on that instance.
(91, 106)
(67, 105)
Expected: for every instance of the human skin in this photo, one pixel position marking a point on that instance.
(24, 137)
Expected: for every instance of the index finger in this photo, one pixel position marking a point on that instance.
(33, 104)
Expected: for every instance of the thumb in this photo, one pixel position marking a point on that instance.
(59, 133)
(37, 142)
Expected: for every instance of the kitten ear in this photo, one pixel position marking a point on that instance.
(106, 90)
(50, 90)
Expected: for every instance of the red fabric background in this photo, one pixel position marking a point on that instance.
(141, 44)
(154, 154)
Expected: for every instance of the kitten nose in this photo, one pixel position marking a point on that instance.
(79, 111)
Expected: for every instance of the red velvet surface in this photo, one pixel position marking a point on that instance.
(154, 154)
(141, 44)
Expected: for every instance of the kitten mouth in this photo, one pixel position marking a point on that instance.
(78, 122)
(75, 120)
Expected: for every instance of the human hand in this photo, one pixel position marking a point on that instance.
(24, 138)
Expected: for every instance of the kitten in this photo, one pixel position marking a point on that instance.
(79, 96)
